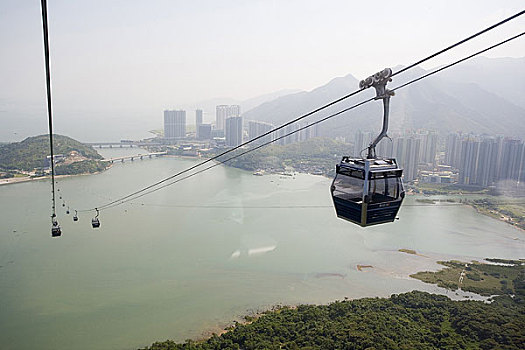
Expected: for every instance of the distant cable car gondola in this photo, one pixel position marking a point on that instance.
(95, 221)
(55, 228)
(369, 191)
(75, 217)
(67, 211)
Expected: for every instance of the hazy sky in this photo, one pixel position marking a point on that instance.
(140, 57)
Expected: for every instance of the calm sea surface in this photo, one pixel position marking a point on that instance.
(190, 258)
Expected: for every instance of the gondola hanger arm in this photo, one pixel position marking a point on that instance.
(379, 81)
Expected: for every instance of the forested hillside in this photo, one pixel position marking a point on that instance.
(415, 320)
(31, 152)
(317, 155)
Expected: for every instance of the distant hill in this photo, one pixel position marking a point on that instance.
(31, 152)
(504, 77)
(208, 106)
(467, 101)
(316, 155)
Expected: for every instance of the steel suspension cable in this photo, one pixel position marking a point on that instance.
(110, 204)
(460, 42)
(49, 109)
(459, 61)
(219, 162)
(228, 151)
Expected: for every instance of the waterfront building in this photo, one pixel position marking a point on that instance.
(217, 133)
(204, 132)
(296, 135)
(485, 160)
(257, 128)
(468, 167)
(512, 161)
(198, 121)
(56, 158)
(385, 148)
(174, 124)
(362, 140)
(233, 131)
(309, 132)
(223, 112)
(198, 117)
(411, 158)
(429, 141)
(489, 151)
(453, 150)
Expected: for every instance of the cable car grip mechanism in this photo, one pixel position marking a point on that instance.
(379, 81)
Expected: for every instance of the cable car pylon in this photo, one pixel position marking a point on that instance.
(369, 191)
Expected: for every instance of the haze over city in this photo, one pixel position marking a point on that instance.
(117, 65)
(262, 174)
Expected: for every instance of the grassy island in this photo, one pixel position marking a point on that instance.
(408, 251)
(500, 277)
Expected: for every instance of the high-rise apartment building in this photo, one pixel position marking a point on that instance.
(204, 131)
(198, 121)
(487, 168)
(453, 149)
(256, 128)
(294, 134)
(174, 124)
(198, 117)
(486, 160)
(468, 167)
(233, 131)
(309, 132)
(362, 140)
(428, 151)
(406, 150)
(222, 112)
(412, 158)
(512, 161)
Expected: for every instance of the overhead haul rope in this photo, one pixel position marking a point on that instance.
(460, 42)
(110, 204)
(219, 162)
(456, 204)
(225, 152)
(49, 109)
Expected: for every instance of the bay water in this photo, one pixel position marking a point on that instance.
(187, 260)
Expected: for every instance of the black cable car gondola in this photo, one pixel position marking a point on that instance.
(55, 228)
(95, 221)
(75, 217)
(369, 191)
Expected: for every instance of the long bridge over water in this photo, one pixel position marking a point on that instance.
(137, 156)
(122, 144)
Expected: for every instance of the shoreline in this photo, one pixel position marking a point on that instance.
(16, 180)
(499, 217)
(251, 316)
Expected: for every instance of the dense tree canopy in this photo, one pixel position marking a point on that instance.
(314, 155)
(415, 320)
(31, 152)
